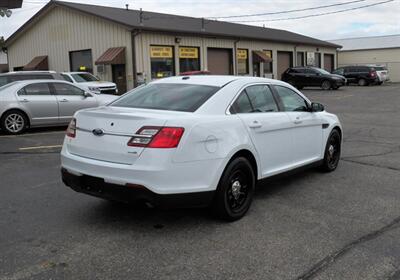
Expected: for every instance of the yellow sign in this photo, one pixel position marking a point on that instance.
(82, 68)
(188, 52)
(160, 52)
(268, 53)
(241, 54)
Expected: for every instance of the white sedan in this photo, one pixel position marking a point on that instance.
(197, 141)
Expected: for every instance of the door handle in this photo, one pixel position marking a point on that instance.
(25, 100)
(255, 124)
(298, 120)
(64, 100)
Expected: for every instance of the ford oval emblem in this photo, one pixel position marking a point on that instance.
(98, 132)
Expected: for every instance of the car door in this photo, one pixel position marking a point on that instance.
(306, 126)
(40, 104)
(350, 74)
(269, 129)
(70, 99)
(312, 77)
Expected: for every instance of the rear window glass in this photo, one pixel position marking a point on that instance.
(172, 97)
(380, 68)
(3, 81)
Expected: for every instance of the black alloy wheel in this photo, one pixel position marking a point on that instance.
(235, 190)
(326, 85)
(332, 152)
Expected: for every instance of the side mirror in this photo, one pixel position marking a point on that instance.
(87, 94)
(317, 107)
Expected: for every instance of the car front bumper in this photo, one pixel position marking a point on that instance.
(132, 193)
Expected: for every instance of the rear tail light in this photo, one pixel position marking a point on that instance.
(71, 130)
(372, 74)
(157, 137)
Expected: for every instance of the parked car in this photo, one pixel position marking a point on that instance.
(300, 77)
(10, 77)
(361, 75)
(197, 141)
(382, 72)
(91, 83)
(34, 103)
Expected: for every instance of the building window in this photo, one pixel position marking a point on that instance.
(300, 59)
(243, 61)
(162, 61)
(317, 62)
(81, 61)
(189, 59)
(268, 65)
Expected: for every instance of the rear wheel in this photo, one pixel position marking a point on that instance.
(14, 122)
(332, 152)
(326, 85)
(362, 82)
(235, 190)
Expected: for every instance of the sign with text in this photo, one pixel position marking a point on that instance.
(241, 54)
(186, 52)
(161, 52)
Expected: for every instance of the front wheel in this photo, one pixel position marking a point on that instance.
(362, 82)
(326, 85)
(235, 190)
(14, 122)
(332, 152)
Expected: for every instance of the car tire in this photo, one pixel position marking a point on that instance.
(326, 85)
(235, 190)
(380, 83)
(362, 82)
(332, 152)
(14, 122)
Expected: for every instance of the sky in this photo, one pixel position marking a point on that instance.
(371, 21)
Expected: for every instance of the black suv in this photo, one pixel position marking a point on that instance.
(10, 77)
(361, 75)
(300, 77)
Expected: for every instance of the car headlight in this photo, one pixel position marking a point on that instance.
(95, 89)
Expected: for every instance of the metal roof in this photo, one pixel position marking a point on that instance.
(368, 43)
(182, 25)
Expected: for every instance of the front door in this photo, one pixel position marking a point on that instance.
(40, 104)
(70, 99)
(306, 126)
(119, 77)
(256, 69)
(268, 128)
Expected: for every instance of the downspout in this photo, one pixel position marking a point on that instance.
(134, 68)
(295, 55)
(235, 72)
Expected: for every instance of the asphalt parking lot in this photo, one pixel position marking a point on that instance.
(341, 225)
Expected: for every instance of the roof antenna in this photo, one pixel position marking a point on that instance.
(127, 6)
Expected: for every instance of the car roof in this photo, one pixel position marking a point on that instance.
(27, 72)
(34, 81)
(79, 72)
(210, 80)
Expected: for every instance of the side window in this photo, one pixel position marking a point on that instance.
(67, 78)
(291, 101)
(66, 89)
(261, 98)
(242, 104)
(35, 89)
(257, 98)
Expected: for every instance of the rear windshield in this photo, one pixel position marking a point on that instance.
(84, 77)
(380, 68)
(3, 80)
(172, 97)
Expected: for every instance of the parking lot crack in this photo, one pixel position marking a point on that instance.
(332, 258)
(370, 164)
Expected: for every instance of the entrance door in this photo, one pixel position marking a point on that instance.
(256, 69)
(119, 77)
(219, 61)
(328, 62)
(285, 60)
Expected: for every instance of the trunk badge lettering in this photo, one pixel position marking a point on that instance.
(98, 132)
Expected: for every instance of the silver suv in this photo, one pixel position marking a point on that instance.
(10, 77)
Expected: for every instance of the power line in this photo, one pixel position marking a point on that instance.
(316, 15)
(292, 11)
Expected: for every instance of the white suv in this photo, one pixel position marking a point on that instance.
(198, 140)
(89, 82)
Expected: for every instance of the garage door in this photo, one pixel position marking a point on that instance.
(285, 60)
(219, 61)
(328, 62)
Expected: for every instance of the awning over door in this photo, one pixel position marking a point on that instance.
(112, 56)
(38, 63)
(260, 56)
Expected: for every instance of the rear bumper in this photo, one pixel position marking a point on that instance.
(97, 187)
